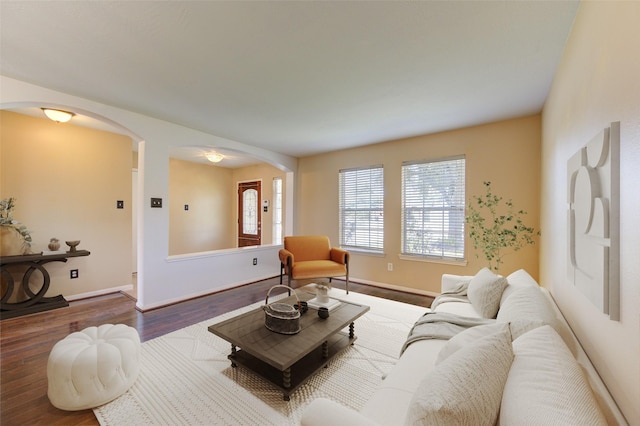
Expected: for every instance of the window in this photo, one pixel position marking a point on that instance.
(433, 208)
(277, 210)
(362, 209)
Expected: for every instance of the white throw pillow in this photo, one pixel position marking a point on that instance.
(527, 308)
(485, 291)
(517, 280)
(466, 388)
(546, 385)
(467, 337)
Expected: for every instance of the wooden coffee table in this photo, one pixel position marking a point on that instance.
(287, 361)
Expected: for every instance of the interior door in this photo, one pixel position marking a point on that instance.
(249, 217)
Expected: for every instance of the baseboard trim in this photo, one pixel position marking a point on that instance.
(196, 295)
(394, 287)
(102, 292)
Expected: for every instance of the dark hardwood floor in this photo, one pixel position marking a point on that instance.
(25, 342)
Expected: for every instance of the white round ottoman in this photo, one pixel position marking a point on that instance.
(91, 367)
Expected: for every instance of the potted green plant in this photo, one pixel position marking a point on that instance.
(496, 228)
(16, 238)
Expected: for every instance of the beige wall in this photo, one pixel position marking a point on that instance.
(66, 180)
(506, 153)
(208, 224)
(211, 193)
(597, 83)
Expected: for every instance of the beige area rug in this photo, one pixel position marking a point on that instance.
(186, 378)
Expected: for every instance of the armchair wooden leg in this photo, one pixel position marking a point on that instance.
(289, 283)
(281, 272)
(347, 284)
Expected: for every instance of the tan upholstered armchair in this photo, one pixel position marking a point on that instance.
(306, 257)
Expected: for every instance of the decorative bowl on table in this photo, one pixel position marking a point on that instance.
(72, 245)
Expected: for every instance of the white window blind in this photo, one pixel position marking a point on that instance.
(433, 208)
(362, 208)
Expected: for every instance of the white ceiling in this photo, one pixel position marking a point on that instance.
(297, 78)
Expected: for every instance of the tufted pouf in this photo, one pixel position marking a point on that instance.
(91, 367)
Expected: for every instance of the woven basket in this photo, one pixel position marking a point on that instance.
(281, 317)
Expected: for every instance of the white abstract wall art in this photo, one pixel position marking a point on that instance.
(594, 220)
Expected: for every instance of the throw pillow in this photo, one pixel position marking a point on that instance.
(466, 388)
(546, 385)
(467, 337)
(484, 292)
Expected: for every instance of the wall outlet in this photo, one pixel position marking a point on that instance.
(156, 202)
(73, 273)
(389, 266)
(255, 260)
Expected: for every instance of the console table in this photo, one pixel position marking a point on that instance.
(31, 301)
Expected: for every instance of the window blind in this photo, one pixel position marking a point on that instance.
(433, 208)
(361, 203)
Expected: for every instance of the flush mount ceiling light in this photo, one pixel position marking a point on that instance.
(214, 157)
(58, 115)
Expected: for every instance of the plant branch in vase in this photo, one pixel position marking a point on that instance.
(496, 228)
(7, 222)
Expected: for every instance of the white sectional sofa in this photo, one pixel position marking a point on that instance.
(525, 367)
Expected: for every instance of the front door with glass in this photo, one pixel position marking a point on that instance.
(249, 217)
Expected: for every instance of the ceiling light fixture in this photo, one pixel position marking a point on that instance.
(58, 115)
(214, 157)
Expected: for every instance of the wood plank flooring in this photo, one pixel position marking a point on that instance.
(25, 342)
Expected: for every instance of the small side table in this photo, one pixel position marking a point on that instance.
(35, 301)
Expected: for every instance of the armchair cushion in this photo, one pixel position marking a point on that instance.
(317, 269)
(314, 247)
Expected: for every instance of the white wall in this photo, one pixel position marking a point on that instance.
(163, 279)
(597, 82)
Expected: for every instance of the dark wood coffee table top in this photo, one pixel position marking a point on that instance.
(287, 361)
(247, 331)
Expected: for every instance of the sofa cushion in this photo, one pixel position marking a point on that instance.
(517, 280)
(546, 385)
(485, 291)
(466, 388)
(527, 308)
(467, 337)
(461, 308)
(399, 386)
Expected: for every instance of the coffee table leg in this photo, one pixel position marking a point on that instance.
(233, 354)
(325, 350)
(351, 333)
(286, 383)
